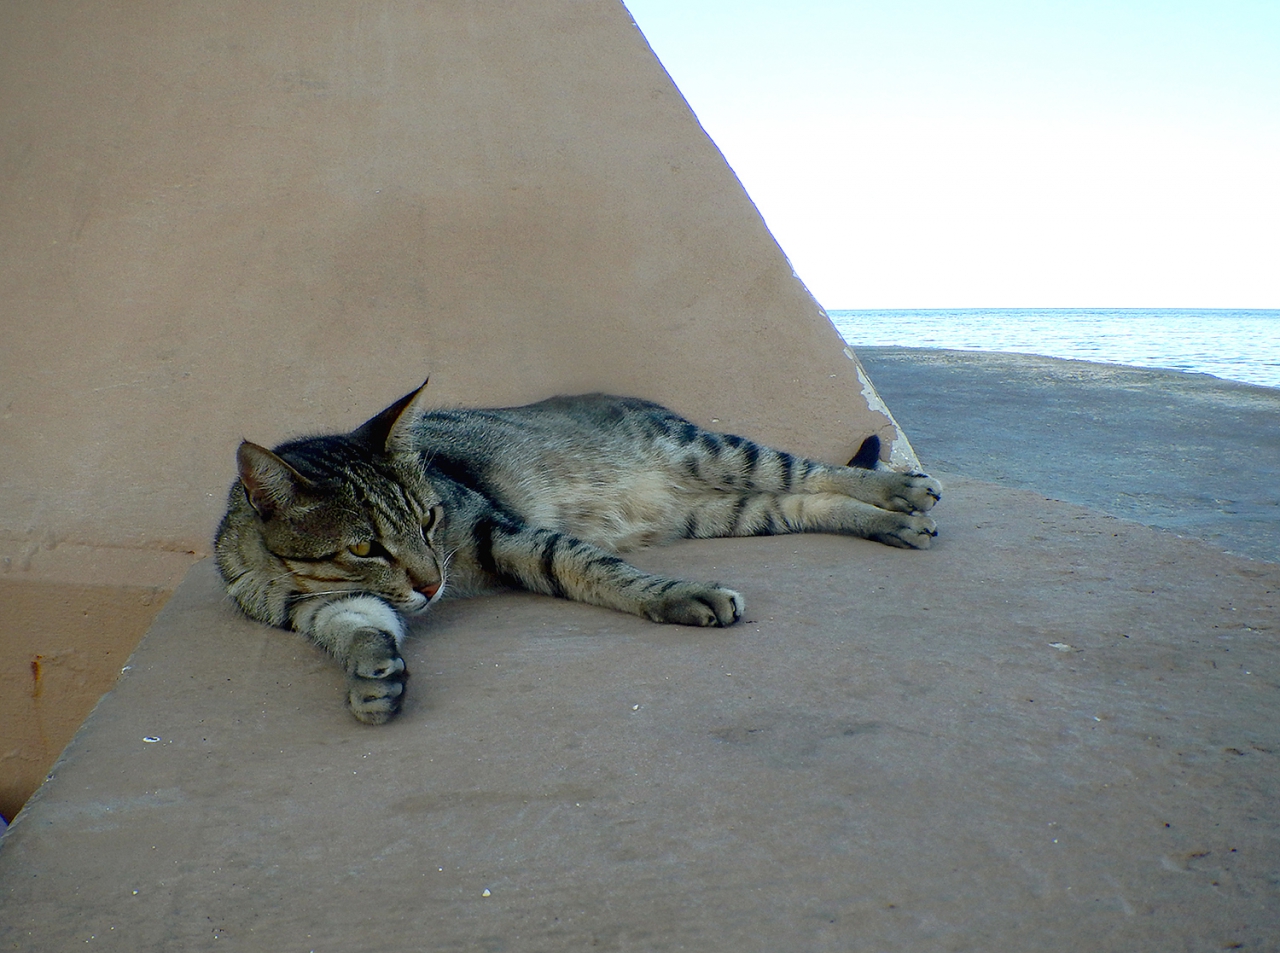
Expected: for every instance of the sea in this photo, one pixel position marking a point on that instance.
(1235, 345)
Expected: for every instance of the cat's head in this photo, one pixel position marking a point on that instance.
(349, 513)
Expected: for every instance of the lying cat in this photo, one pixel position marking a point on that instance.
(337, 536)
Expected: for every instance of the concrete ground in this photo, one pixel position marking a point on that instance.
(1056, 730)
(1189, 453)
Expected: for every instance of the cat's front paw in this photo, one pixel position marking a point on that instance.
(697, 604)
(910, 492)
(376, 676)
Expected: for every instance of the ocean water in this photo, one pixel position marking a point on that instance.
(1235, 345)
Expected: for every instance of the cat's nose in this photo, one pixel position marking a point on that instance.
(429, 589)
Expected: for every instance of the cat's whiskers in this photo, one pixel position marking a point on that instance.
(444, 571)
(326, 592)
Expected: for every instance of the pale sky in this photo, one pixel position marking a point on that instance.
(998, 153)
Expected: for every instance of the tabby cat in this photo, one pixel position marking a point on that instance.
(339, 536)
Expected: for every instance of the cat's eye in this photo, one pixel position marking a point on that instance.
(360, 549)
(429, 521)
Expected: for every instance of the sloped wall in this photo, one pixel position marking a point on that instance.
(256, 219)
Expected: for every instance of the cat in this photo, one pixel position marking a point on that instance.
(338, 537)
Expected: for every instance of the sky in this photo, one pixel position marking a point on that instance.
(934, 154)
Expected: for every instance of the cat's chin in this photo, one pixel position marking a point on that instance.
(416, 604)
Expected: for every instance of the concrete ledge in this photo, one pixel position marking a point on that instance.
(1055, 731)
(67, 650)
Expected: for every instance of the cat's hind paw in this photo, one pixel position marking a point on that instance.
(911, 492)
(909, 532)
(376, 676)
(698, 604)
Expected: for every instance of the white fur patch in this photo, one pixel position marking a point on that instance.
(340, 619)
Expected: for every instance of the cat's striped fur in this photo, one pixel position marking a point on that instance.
(338, 536)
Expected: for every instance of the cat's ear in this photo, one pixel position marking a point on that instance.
(270, 483)
(392, 430)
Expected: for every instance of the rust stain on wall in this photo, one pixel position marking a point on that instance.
(36, 676)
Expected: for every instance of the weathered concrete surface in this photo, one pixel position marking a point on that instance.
(1054, 731)
(261, 219)
(1186, 452)
(68, 650)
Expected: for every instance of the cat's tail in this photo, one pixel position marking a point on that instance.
(868, 454)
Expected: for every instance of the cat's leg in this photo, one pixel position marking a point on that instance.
(728, 462)
(771, 514)
(364, 634)
(556, 564)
